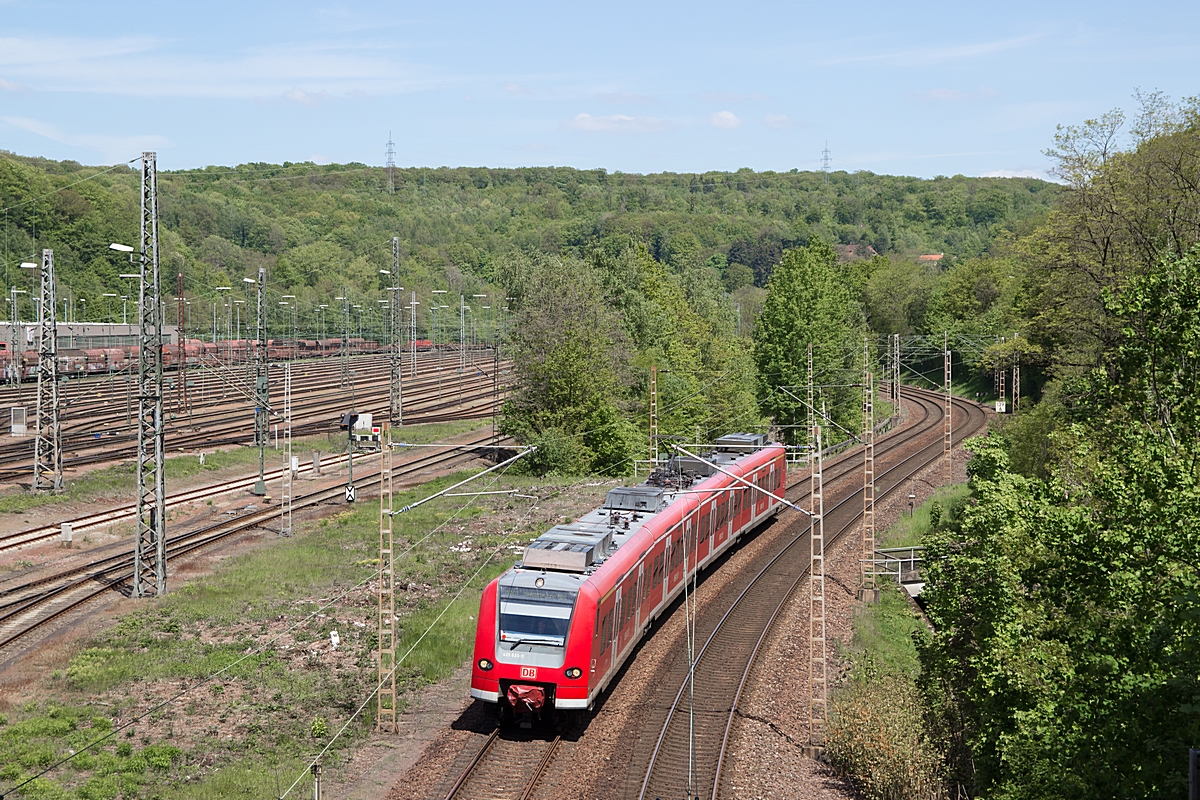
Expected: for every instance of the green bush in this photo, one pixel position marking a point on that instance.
(874, 737)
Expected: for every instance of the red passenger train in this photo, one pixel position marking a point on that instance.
(555, 629)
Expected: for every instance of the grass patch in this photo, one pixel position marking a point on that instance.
(260, 720)
(883, 642)
(943, 507)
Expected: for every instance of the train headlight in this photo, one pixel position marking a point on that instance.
(574, 673)
(484, 664)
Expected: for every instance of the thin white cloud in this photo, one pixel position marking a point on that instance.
(936, 54)
(113, 148)
(617, 123)
(12, 86)
(624, 98)
(733, 97)
(778, 121)
(725, 121)
(1015, 173)
(151, 67)
(955, 95)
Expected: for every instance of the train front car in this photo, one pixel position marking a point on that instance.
(554, 630)
(533, 641)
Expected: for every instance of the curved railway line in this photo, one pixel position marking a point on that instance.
(660, 763)
(98, 430)
(30, 606)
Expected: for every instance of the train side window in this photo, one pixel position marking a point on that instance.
(605, 632)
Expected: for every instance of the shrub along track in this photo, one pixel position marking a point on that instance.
(653, 754)
(97, 425)
(29, 607)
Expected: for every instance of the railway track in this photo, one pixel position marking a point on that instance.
(507, 767)
(690, 751)
(102, 434)
(30, 606)
(661, 763)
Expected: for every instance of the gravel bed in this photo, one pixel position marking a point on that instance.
(766, 761)
(605, 759)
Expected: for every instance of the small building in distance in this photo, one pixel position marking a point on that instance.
(932, 258)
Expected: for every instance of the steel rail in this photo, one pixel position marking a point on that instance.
(907, 466)
(184, 544)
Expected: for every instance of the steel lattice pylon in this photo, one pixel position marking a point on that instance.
(896, 374)
(868, 540)
(262, 386)
(47, 444)
(946, 430)
(386, 696)
(811, 410)
(286, 487)
(653, 415)
(396, 348)
(412, 335)
(818, 710)
(345, 338)
(150, 546)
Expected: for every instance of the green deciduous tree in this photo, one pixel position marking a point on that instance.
(1068, 609)
(569, 355)
(807, 303)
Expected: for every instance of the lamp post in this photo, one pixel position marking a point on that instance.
(295, 334)
(224, 303)
(109, 305)
(15, 337)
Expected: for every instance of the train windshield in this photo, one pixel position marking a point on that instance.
(530, 615)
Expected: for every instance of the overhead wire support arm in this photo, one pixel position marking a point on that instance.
(742, 480)
(461, 483)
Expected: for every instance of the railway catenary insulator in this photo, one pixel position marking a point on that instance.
(554, 630)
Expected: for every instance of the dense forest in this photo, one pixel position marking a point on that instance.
(669, 270)
(319, 228)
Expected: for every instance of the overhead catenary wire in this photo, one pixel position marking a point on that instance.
(400, 660)
(245, 656)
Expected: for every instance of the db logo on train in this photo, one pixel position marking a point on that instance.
(529, 672)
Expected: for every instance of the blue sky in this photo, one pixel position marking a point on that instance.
(905, 88)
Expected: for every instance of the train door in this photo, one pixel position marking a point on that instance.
(602, 644)
(618, 614)
(627, 600)
(640, 597)
(652, 580)
(689, 530)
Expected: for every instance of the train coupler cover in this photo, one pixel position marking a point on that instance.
(526, 699)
